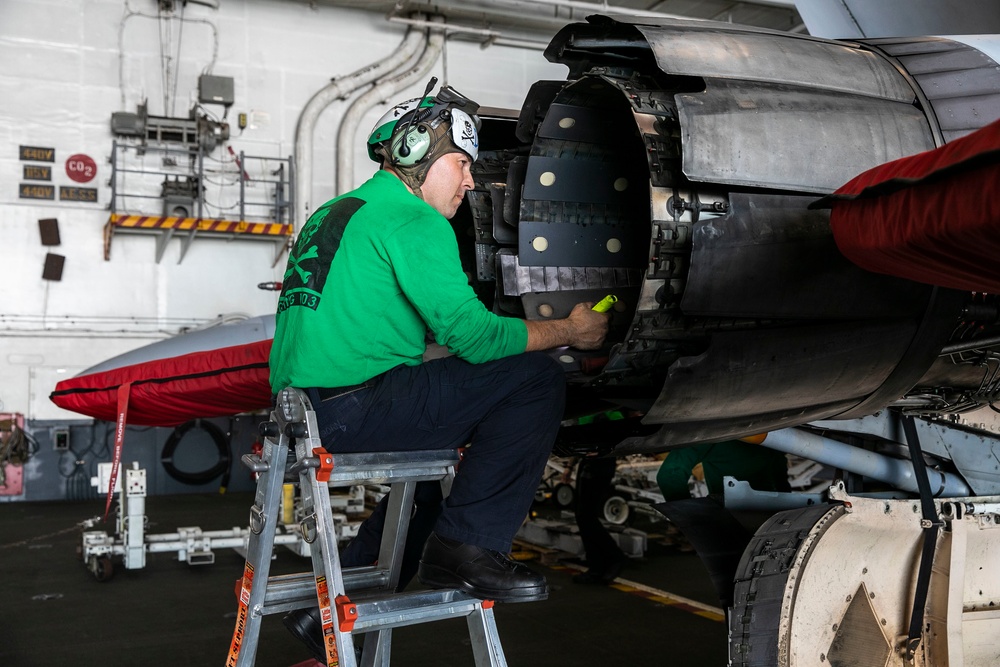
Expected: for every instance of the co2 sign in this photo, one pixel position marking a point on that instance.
(81, 168)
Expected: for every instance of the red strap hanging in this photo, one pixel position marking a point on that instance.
(123, 393)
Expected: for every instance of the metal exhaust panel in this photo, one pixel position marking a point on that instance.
(687, 153)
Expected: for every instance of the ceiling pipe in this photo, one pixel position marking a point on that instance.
(380, 93)
(492, 36)
(447, 27)
(339, 89)
(515, 43)
(781, 4)
(543, 18)
(600, 7)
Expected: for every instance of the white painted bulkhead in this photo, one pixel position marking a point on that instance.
(69, 64)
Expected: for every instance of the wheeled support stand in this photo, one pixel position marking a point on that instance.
(380, 608)
(131, 542)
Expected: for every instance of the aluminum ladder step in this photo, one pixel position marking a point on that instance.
(357, 600)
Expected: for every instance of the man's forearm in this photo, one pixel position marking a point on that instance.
(583, 329)
(547, 334)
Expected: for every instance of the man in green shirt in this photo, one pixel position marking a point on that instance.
(763, 468)
(375, 271)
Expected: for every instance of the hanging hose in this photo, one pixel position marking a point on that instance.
(13, 448)
(221, 467)
(78, 486)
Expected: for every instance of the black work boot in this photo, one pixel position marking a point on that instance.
(307, 626)
(484, 573)
(602, 575)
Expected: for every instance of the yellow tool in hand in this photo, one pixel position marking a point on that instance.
(604, 305)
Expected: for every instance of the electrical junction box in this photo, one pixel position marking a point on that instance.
(128, 124)
(60, 438)
(215, 89)
(103, 479)
(135, 481)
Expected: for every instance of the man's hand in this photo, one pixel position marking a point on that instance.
(584, 329)
(589, 328)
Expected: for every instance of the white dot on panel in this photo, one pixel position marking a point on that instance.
(566, 123)
(614, 245)
(547, 178)
(540, 243)
(566, 359)
(621, 184)
(545, 310)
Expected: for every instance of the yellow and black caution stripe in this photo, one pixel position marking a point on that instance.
(656, 595)
(209, 225)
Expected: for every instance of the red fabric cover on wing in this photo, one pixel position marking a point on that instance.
(168, 392)
(933, 217)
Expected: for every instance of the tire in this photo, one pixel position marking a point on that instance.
(616, 510)
(564, 495)
(104, 569)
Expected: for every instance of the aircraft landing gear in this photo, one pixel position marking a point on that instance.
(820, 584)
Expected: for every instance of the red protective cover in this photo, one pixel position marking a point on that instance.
(168, 392)
(933, 217)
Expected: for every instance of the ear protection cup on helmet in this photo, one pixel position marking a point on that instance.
(411, 146)
(412, 131)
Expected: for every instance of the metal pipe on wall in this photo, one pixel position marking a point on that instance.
(447, 27)
(490, 36)
(339, 89)
(382, 91)
(595, 7)
(898, 472)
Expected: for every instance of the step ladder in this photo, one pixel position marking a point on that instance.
(353, 600)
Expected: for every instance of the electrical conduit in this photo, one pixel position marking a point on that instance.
(339, 89)
(380, 93)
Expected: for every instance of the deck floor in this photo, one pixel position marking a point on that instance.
(56, 614)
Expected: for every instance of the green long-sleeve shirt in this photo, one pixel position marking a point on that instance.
(371, 272)
(765, 469)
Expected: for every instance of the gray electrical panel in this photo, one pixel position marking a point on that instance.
(60, 438)
(215, 89)
(128, 124)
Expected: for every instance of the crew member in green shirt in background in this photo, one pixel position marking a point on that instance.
(763, 468)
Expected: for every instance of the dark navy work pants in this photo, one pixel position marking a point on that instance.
(593, 488)
(507, 411)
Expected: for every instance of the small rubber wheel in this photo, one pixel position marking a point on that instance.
(616, 510)
(565, 495)
(105, 569)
